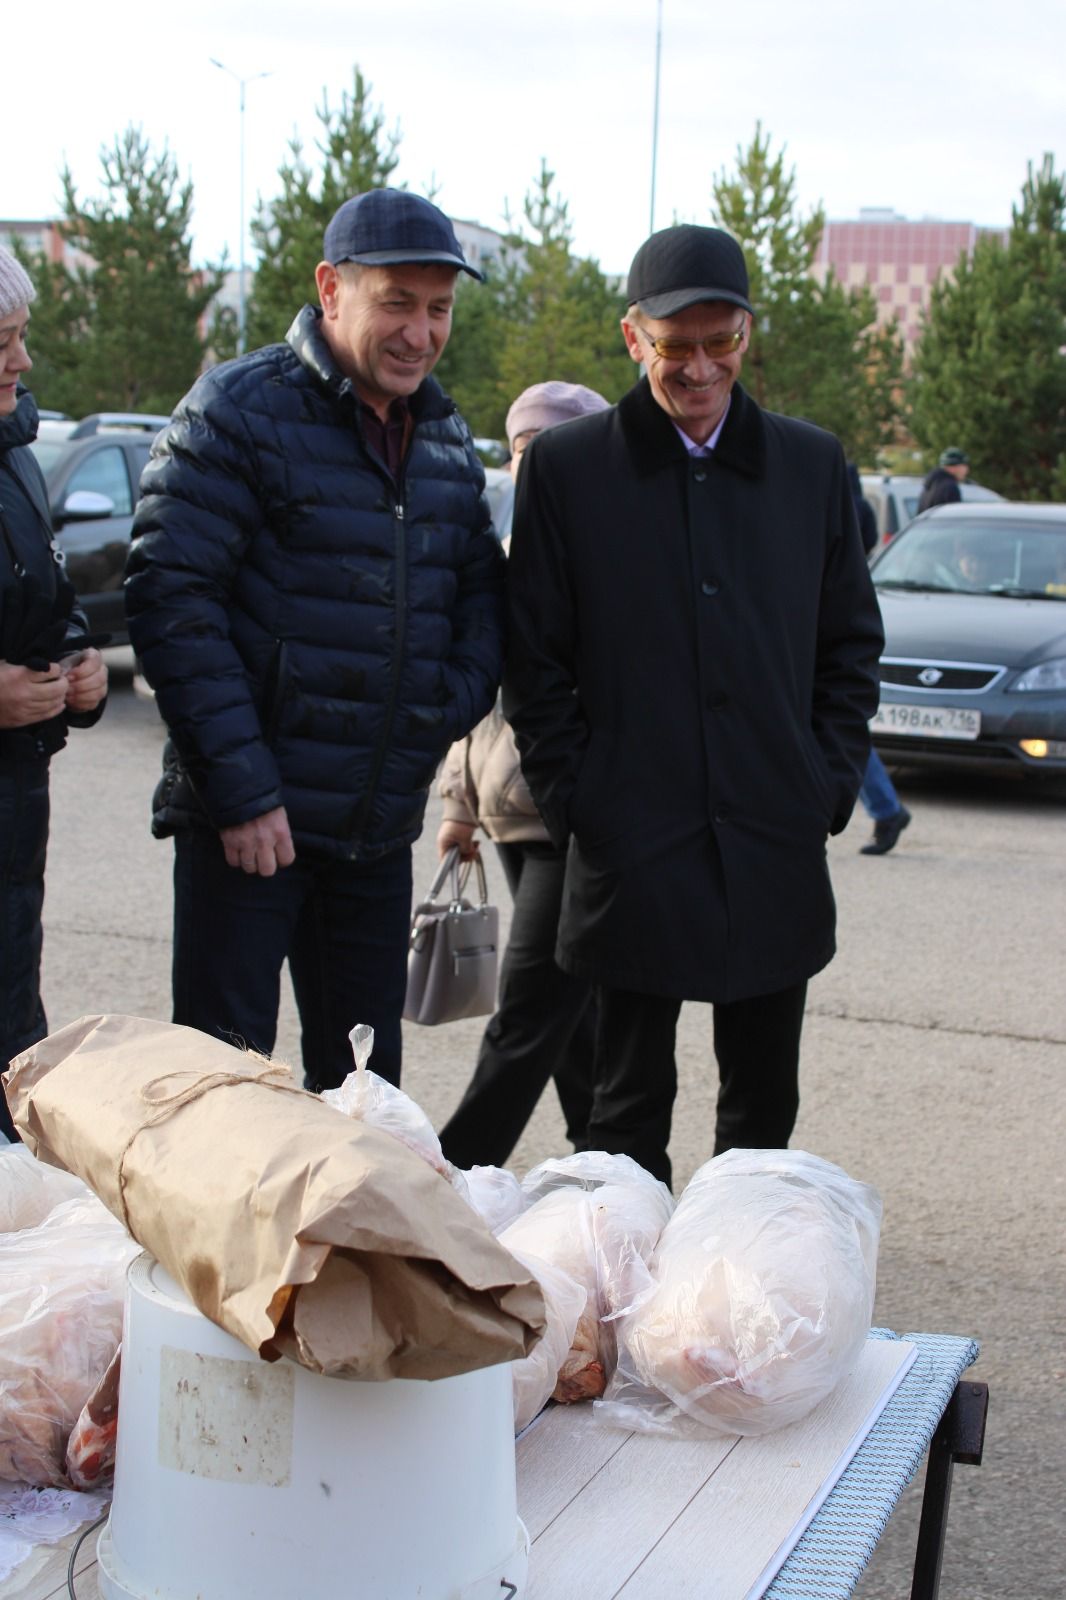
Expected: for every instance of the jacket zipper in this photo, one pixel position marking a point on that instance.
(397, 665)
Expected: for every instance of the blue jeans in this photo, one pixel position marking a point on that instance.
(343, 926)
(877, 793)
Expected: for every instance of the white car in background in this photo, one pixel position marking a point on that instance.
(499, 487)
(895, 500)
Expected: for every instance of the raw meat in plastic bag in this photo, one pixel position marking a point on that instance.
(30, 1189)
(92, 1443)
(62, 1286)
(535, 1376)
(495, 1194)
(370, 1098)
(585, 1169)
(764, 1290)
(601, 1237)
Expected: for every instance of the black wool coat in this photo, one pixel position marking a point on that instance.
(691, 669)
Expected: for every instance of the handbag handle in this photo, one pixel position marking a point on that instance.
(450, 865)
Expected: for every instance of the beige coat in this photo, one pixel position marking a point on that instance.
(482, 783)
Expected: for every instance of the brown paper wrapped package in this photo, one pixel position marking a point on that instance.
(298, 1230)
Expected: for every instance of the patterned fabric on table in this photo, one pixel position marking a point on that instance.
(830, 1557)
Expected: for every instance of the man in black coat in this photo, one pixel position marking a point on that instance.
(941, 487)
(316, 595)
(691, 669)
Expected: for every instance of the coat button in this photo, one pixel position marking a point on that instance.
(700, 475)
(721, 813)
(717, 702)
(708, 586)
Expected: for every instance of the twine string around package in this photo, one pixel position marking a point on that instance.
(269, 1076)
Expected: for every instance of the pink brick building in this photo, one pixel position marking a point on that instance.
(900, 260)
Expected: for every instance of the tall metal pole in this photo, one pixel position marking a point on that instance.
(655, 117)
(241, 317)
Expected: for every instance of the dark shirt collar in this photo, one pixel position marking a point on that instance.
(388, 439)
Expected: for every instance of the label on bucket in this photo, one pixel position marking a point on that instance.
(227, 1420)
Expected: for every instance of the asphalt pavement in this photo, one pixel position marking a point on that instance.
(934, 1066)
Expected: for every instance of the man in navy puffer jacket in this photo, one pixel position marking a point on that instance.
(315, 593)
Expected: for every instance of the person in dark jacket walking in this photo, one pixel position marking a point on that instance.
(941, 486)
(691, 668)
(878, 793)
(51, 678)
(316, 595)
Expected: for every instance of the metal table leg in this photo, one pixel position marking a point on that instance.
(960, 1436)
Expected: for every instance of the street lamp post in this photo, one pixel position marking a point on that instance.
(240, 281)
(655, 114)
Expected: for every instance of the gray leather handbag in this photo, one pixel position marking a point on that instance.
(452, 956)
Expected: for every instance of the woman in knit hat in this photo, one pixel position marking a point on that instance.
(545, 1021)
(50, 679)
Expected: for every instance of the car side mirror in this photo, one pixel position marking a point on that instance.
(85, 505)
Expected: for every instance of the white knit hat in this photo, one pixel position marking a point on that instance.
(15, 287)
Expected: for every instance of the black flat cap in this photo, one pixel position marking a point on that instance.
(682, 266)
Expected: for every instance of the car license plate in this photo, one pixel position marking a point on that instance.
(927, 722)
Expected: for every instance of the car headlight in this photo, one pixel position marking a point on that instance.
(1048, 675)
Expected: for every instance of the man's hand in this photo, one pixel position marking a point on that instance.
(86, 682)
(27, 697)
(260, 846)
(457, 835)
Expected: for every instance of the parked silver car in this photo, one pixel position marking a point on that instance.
(973, 599)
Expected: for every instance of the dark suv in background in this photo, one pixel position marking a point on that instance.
(92, 475)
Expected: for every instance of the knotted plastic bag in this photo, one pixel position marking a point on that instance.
(369, 1098)
(763, 1293)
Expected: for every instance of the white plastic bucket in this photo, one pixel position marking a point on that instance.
(239, 1479)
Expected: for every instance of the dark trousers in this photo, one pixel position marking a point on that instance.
(756, 1043)
(544, 1025)
(23, 847)
(343, 926)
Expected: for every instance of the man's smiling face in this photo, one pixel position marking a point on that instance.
(386, 326)
(693, 391)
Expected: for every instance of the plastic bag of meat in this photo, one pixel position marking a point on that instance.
(92, 1443)
(61, 1295)
(764, 1290)
(535, 1377)
(585, 1169)
(30, 1189)
(370, 1098)
(495, 1194)
(601, 1236)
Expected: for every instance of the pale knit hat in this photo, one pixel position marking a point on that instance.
(15, 287)
(544, 404)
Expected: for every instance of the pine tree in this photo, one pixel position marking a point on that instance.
(121, 331)
(357, 154)
(990, 369)
(816, 349)
(545, 314)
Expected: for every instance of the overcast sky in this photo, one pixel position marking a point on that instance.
(929, 107)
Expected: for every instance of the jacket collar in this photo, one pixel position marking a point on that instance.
(20, 429)
(21, 426)
(653, 442)
(305, 339)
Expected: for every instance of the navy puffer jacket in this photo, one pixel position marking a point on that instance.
(316, 637)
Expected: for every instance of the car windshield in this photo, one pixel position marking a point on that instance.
(48, 452)
(1001, 557)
